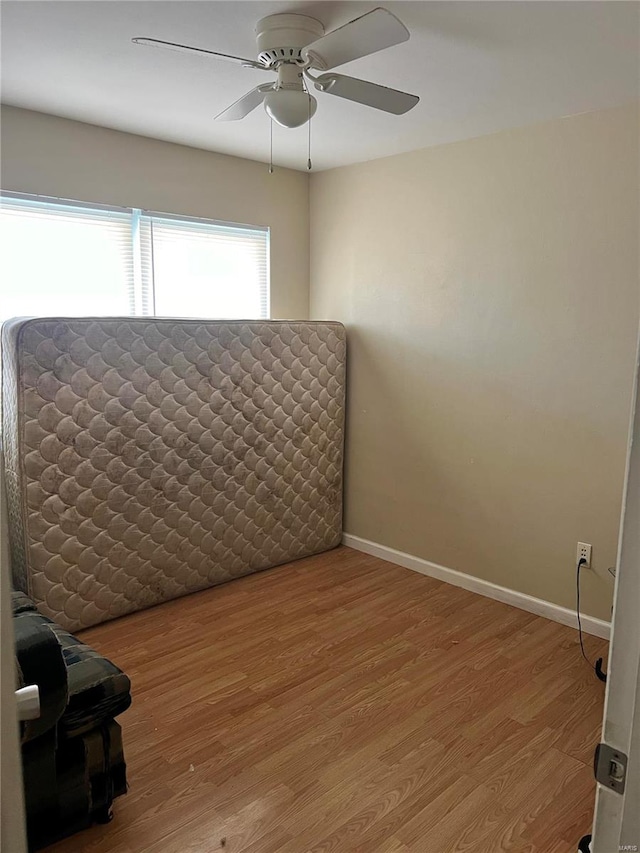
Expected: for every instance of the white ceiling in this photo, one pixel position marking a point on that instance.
(477, 66)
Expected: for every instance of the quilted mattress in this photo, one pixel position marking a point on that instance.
(150, 458)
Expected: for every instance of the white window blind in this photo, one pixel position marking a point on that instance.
(59, 258)
(221, 269)
(63, 259)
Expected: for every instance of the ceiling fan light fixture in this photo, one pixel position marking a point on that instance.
(293, 46)
(290, 107)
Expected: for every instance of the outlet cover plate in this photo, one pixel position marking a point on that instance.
(584, 552)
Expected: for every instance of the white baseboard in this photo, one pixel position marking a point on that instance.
(590, 625)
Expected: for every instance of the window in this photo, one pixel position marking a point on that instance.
(63, 258)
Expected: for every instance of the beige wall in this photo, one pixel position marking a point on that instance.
(54, 156)
(490, 290)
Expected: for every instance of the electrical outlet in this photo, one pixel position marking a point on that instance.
(584, 553)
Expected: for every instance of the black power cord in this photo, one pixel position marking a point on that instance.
(597, 667)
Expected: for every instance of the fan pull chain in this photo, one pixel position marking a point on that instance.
(309, 147)
(271, 146)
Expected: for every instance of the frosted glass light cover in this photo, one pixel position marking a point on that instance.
(290, 107)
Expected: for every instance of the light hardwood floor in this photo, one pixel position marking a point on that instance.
(341, 704)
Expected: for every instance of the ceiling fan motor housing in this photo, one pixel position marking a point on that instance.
(280, 38)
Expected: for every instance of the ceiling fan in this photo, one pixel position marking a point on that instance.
(293, 46)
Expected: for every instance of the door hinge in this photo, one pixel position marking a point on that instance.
(610, 767)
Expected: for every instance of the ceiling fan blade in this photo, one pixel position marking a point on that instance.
(244, 105)
(363, 92)
(364, 35)
(185, 48)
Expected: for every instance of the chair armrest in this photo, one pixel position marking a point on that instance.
(98, 689)
(40, 661)
(21, 603)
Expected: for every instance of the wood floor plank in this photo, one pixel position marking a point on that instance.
(341, 704)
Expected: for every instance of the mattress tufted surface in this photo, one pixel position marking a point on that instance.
(149, 458)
